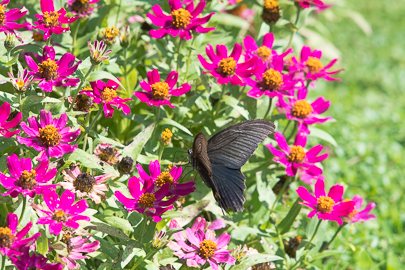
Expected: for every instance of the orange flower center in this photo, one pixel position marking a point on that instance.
(59, 216)
(48, 69)
(297, 154)
(49, 135)
(272, 79)
(160, 90)
(325, 204)
(51, 18)
(164, 178)
(20, 84)
(108, 94)
(271, 4)
(147, 200)
(27, 179)
(2, 14)
(301, 109)
(181, 18)
(314, 64)
(110, 33)
(352, 214)
(263, 52)
(166, 136)
(6, 237)
(84, 182)
(207, 248)
(227, 66)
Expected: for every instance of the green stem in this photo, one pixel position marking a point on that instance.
(293, 131)
(189, 57)
(118, 13)
(24, 202)
(295, 28)
(178, 55)
(149, 255)
(126, 69)
(280, 194)
(326, 246)
(268, 108)
(74, 38)
(216, 108)
(3, 262)
(285, 128)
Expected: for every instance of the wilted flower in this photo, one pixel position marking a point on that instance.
(24, 179)
(271, 11)
(166, 136)
(52, 21)
(295, 157)
(8, 18)
(62, 211)
(49, 135)
(109, 34)
(107, 153)
(51, 72)
(159, 240)
(81, 8)
(29, 260)
(106, 93)
(182, 21)
(84, 184)
(292, 245)
(125, 165)
(99, 51)
(22, 81)
(83, 102)
(318, 4)
(327, 207)
(78, 248)
(157, 93)
(199, 245)
(6, 126)
(359, 214)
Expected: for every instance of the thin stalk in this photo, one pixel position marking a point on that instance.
(268, 108)
(189, 57)
(24, 202)
(3, 262)
(118, 12)
(93, 122)
(285, 128)
(280, 194)
(295, 28)
(178, 55)
(326, 246)
(216, 108)
(74, 38)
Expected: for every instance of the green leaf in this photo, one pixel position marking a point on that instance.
(135, 147)
(173, 123)
(254, 259)
(86, 159)
(323, 135)
(42, 244)
(51, 100)
(234, 104)
(119, 223)
(285, 225)
(105, 228)
(101, 74)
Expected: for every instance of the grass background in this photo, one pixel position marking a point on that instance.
(370, 112)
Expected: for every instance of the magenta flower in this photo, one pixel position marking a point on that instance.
(182, 21)
(82, 8)
(49, 136)
(51, 72)
(52, 21)
(28, 261)
(198, 245)
(24, 179)
(305, 113)
(105, 93)
(5, 124)
(227, 69)
(309, 66)
(318, 4)
(60, 212)
(22, 81)
(8, 18)
(157, 93)
(13, 241)
(358, 214)
(295, 158)
(154, 194)
(326, 207)
(78, 249)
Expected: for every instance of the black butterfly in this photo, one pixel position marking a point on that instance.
(219, 160)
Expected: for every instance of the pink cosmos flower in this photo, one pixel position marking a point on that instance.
(157, 93)
(60, 212)
(9, 17)
(295, 157)
(198, 245)
(78, 247)
(182, 21)
(154, 194)
(309, 66)
(305, 113)
(318, 4)
(5, 124)
(227, 69)
(85, 185)
(326, 207)
(82, 8)
(24, 178)
(51, 72)
(52, 21)
(360, 215)
(105, 93)
(49, 136)
(13, 241)
(28, 261)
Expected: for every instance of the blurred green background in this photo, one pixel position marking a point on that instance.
(370, 112)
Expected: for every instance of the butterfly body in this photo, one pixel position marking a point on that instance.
(219, 159)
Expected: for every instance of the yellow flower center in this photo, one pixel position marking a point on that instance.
(80, 6)
(207, 248)
(49, 135)
(110, 33)
(147, 200)
(166, 136)
(164, 178)
(352, 214)
(263, 52)
(181, 18)
(108, 94)
(20, 84)
(325, 204)
(297, 154)
(51, 18)
(314, 64)
(59, 216)
(84, 182)
(160, 90)
(2, 14)
(272, 80)
(227, 66)
(48, 69)
(271, 4)
(301, 109)
(27, 179)
(6, 237)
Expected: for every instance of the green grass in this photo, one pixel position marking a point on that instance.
(370, 112)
